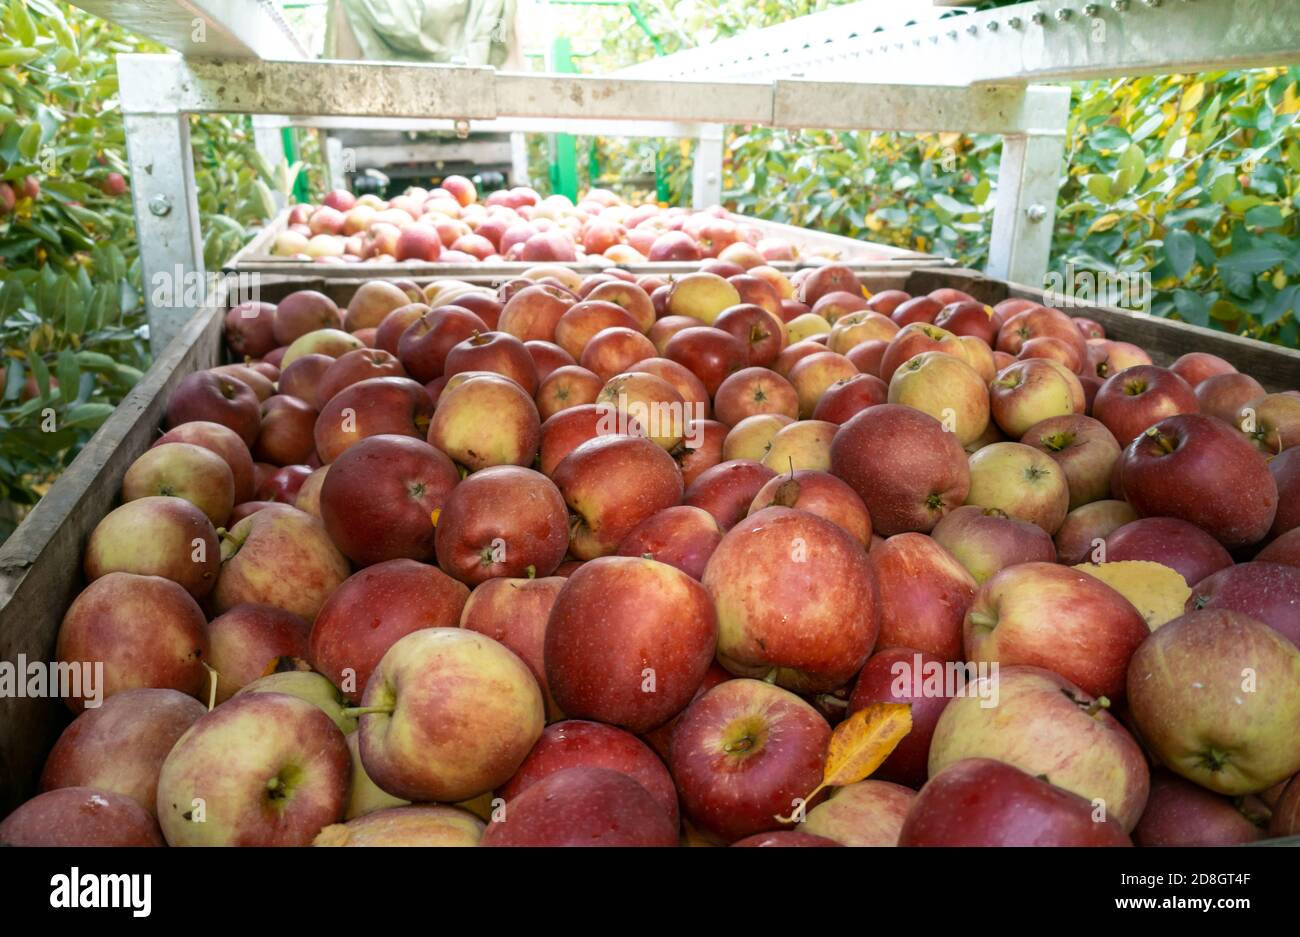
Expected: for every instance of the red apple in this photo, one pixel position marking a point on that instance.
(502, 521)
(583, 806)
(817, 493)
(1057, 618)
(1200, 470)
(611, 483)
(908, 471)
(80, 817)
(351, 368)
(145, 631)
(448, 714)
(371, 610)
(745, 753)
(1046, 726)
(1223, 395)
(1215, 695)
(249, 329)
(278, 556)
(1084, 449)
(1140, 397)
(849, 396)
(423, 347)
(1179, 813)
(249, 639)
(986, 541)
(1084, 531)
(119, 746)
(795, 599)
(215, 398)
(533, 312)
(923, 594)
(515, 612)
(709, 353)
(380, 497)
(628, 642)
(727, 490)
(982, 802)
(302, 312)
(1267, 592)
(681, 536)
(576, 743)
(1171, 542)
(1196, 366)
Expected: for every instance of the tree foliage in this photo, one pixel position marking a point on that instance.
(72, 324)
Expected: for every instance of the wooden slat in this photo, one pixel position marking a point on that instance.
(40, 564)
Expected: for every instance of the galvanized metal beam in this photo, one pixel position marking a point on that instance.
(352, 90)
(238, 29)
(919, 108)
(575, 125)
(1045, 40)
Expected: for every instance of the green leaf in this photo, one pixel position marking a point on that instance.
(17, 55)
(1253, 261)
(1099, 185)
(88, 415)
(1180, 251)
(29, 144)
(24, 28)
(42, 375)
(69, 374)
(1264, 216)
(1192, 307)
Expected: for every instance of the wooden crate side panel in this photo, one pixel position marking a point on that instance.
(40, 565)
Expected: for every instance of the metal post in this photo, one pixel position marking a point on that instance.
(334, 163)
(166, 220)
(518, 159)
(706, 171)
(1029, 176)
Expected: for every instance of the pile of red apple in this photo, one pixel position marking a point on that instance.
(605, 559)
(450, 225)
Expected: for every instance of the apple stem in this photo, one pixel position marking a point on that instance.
(771, 677)
(354, 711)
(826, 699)
(807, 800)
(1098, 705)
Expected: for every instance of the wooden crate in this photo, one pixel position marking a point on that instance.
(866, 256)
(40, 565)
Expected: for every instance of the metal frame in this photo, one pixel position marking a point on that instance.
(157, 93)
(913, 70)
(1046, 40)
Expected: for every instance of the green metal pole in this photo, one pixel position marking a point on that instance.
(301, 193)
(565, 168)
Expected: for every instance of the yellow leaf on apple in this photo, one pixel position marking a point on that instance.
(1156, 591)
(861, 743)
